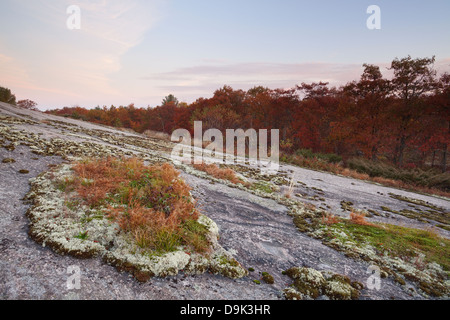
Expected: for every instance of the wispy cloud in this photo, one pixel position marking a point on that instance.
(190, 82)
(267, 74)
(79, 62)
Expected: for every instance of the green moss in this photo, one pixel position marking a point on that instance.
(435, 290)
(374, 212)
(432, 213)
(224, 260)
(257, 282)
(82, 236)
(262, 186)
(10, 147)
(398, 241)
(312, 283)
(268, 278)
(292, 294)
(399, 280)
(306, 224)
(197, 233)
(72, 204)
(307, 289)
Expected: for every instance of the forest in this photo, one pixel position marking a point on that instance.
(374, 125)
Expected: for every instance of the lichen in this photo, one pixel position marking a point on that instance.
(311, 284)
(67, 231)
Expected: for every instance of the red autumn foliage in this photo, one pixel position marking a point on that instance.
(402, 120)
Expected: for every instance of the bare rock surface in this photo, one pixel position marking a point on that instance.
(258, 231)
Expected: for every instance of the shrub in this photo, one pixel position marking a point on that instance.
(150, 203)
(425, 178)
(219, 173)
(359, 218)
(329, 219)
(328, 157)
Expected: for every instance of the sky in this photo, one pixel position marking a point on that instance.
(139, 51)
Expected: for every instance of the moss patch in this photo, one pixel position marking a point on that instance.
(428, 211)
(418, 255)
(268, 278)
(311, 284)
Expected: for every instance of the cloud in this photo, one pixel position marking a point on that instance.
(442, 65)
(75, 63)
(275, 75)
(192, 82)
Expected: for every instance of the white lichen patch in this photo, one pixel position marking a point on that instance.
(308, 220)
(311, 284)
(430, 277)
(59, 221)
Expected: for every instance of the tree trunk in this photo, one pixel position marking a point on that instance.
(374, 153)
(444, 159)
(400, 151)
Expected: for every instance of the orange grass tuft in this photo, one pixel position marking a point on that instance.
(149, 202)
(359, 218)
(219, 173)
(329, 219)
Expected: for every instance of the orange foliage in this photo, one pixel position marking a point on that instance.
(151, 199)
(329, 219)
(219, 173)
(359, 218)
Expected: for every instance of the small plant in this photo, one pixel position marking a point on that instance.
(329, 219)
(262, 186)
(150, 203)
(72, 204)
(268, 278)
(82, 235)
(359, 218)
(290, 189)
(219, 173)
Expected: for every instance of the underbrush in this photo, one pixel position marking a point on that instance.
(328, 157)
(149, 202)
(424, 178)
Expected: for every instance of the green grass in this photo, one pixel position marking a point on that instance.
(328, 157)
(82, 236)
(397, 241)
(262, 186)
(65, 185)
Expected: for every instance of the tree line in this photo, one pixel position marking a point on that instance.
(404, 120)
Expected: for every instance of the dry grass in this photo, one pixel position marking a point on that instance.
(149, 202)
(219, 173)
(359, 218)
(330, 219)
(290, 190)
(157, 135)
